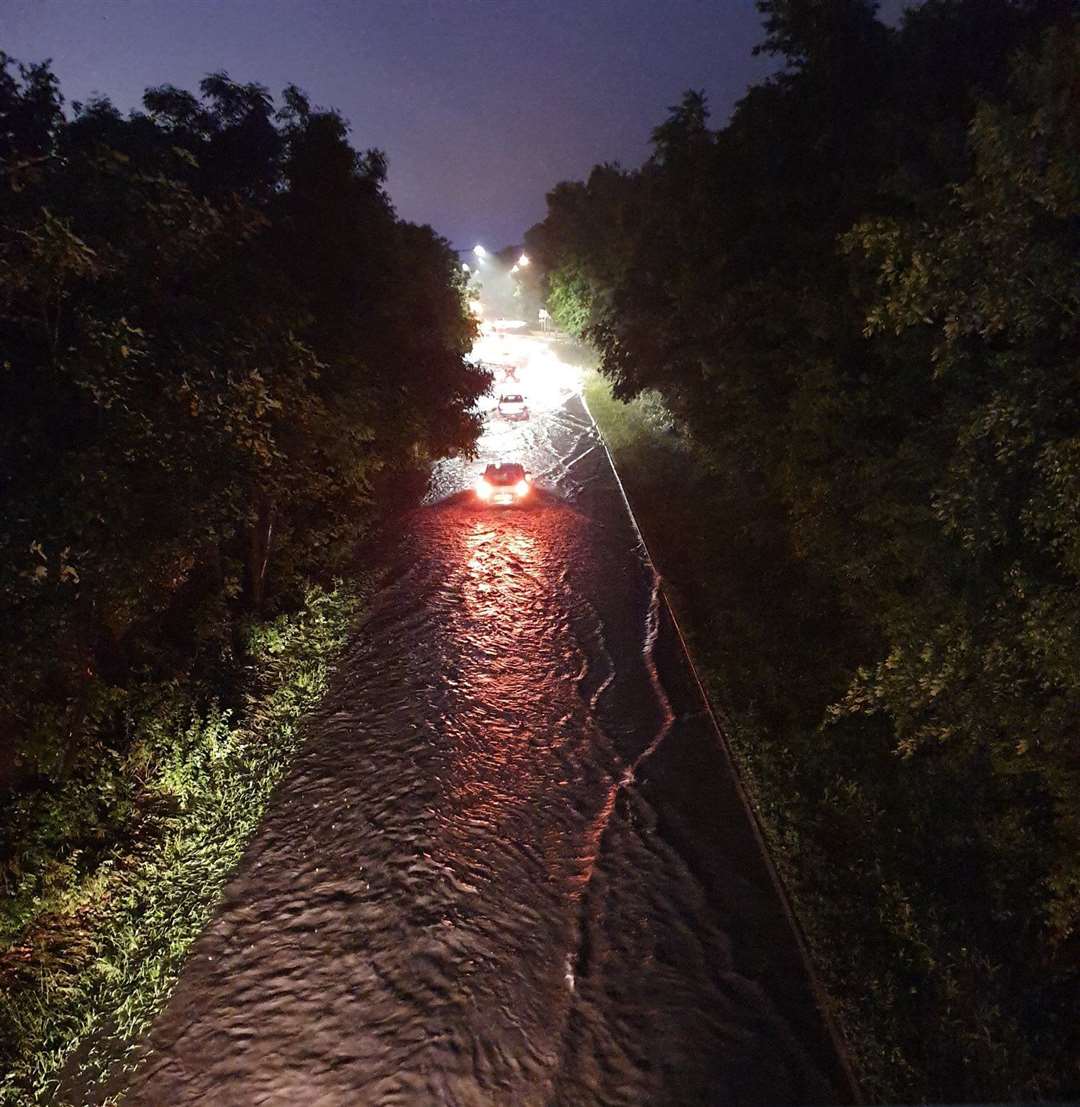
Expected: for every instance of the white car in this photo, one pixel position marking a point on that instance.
(506, 483)
(512, 405)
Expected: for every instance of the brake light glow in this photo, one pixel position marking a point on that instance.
(483, 489)
(522, 487)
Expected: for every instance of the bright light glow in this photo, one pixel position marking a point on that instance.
(479, 251)
(483, 489)
(523, 260)
(540, 374)
(514, 269)
(522, 487)
(465, 267)
(476, 308)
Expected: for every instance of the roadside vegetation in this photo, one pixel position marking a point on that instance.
(101, 945)
(838, 339)
(222, 359)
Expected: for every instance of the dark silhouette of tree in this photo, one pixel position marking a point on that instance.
(218, 344)
(858, 298)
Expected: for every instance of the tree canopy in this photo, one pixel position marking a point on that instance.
(218, 344)
(860, 297)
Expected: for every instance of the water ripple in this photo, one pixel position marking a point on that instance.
(460, 895)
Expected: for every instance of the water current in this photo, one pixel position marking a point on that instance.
(498, 872)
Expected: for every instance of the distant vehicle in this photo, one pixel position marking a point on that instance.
(506, 483)
(512, 405)
(506, 372)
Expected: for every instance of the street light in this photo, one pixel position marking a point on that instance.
(479, 251)
(514, 269)
(523, 260)
(465, 267)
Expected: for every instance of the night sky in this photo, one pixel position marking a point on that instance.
(481, 105)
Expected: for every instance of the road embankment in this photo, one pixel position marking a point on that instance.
(100, 947)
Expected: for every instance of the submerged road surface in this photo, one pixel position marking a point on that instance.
(510, 866)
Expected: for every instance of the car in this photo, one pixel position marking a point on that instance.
(505, 483)
(512, 405)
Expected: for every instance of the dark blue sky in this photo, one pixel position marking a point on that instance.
(481, 105)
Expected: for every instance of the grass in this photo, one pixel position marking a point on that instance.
(912, 904)
(99, 947)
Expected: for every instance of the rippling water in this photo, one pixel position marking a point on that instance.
(472, 890)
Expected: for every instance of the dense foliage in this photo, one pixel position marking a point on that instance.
(861, 300)
(221, 356)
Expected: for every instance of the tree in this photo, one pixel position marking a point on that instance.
(859, 300)
(987, 657)
(216, 335)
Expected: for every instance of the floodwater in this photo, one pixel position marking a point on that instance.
(509, 866)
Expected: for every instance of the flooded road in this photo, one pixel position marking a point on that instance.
(509, 866)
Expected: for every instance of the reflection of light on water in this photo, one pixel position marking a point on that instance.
(513, 712)
(500, 583)
(514, 661)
